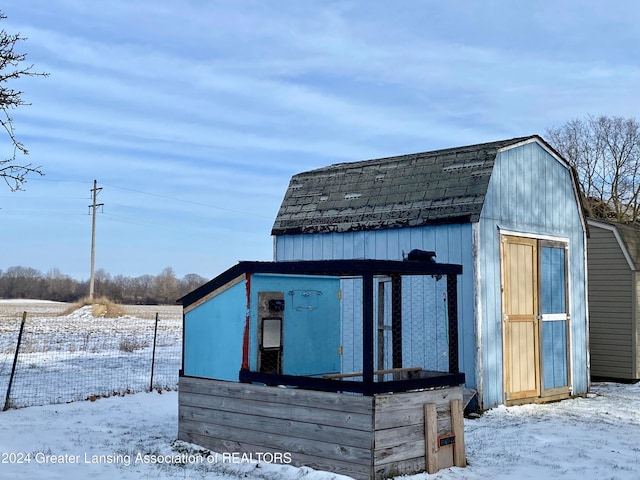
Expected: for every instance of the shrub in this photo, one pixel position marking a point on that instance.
(130, 344)
(102, 307)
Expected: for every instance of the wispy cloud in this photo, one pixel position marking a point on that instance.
(194, 114)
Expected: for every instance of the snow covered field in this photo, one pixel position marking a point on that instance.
(71, 357)
(133, 437)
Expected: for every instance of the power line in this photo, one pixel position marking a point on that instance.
(187, 201)
(134, 221)
(167, 197)
(44, 213)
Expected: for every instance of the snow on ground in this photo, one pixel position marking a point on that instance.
(594, 438)
(72, 357)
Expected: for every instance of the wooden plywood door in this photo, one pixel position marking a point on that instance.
(520, 318)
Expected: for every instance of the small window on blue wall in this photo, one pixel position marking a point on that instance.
(271, 332)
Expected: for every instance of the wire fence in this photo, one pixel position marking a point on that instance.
(59, 359)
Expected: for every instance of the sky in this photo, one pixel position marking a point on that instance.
(192, 115)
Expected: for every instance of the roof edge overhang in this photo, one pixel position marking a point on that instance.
(336, 268)
(460, 219)
(614, 229)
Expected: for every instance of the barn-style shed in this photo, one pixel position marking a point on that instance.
(509, 212)
(263, 370)
(614, 300)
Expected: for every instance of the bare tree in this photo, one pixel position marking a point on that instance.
(23, 282)
(166, 287)
(12, 171)
(60, 287)
(190, 282)
(606, 154)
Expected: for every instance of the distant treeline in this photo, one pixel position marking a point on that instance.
(164, 288)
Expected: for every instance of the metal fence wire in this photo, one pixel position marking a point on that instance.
(46, 360)
(412, 324)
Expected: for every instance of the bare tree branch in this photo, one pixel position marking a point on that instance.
(12, 171)
(606, 154)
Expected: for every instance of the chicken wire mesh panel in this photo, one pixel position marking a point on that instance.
(9, 331)
(351, 325)
(411, 325)
(425, 323)
(63, 359)
(382, 315)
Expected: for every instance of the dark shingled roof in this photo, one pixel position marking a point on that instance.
(630, 236)
(443, 186)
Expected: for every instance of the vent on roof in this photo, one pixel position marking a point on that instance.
(481, 172)
(380, 177)
(324, 198)
(351, 196)
(458, 166)
(295, 186)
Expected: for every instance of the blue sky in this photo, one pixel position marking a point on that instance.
(192, 115)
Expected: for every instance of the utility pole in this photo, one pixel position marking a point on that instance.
(95, 190)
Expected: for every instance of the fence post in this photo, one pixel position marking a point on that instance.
(15, 361)
(153, 355)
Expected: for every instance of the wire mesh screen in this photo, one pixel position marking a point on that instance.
(425, 340)
(77, 357)
(411, 325)
(351, 325)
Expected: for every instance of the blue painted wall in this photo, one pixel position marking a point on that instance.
(530, 192)
(311, 322)
(452, 244)
(214, 330)
(213, 335)
(554, 337)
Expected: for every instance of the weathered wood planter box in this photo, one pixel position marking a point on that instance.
(365, 437)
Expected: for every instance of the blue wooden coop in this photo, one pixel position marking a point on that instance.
(324, 360)
(349, 351)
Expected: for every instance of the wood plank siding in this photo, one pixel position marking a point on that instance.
(328, 432)
(362, 437)
(452, 244)
(531, 194)
(613, 290)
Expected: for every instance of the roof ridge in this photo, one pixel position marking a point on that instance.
(408, 156)
(441, 186)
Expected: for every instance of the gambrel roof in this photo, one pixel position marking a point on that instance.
(442, 186)
(628, 237)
